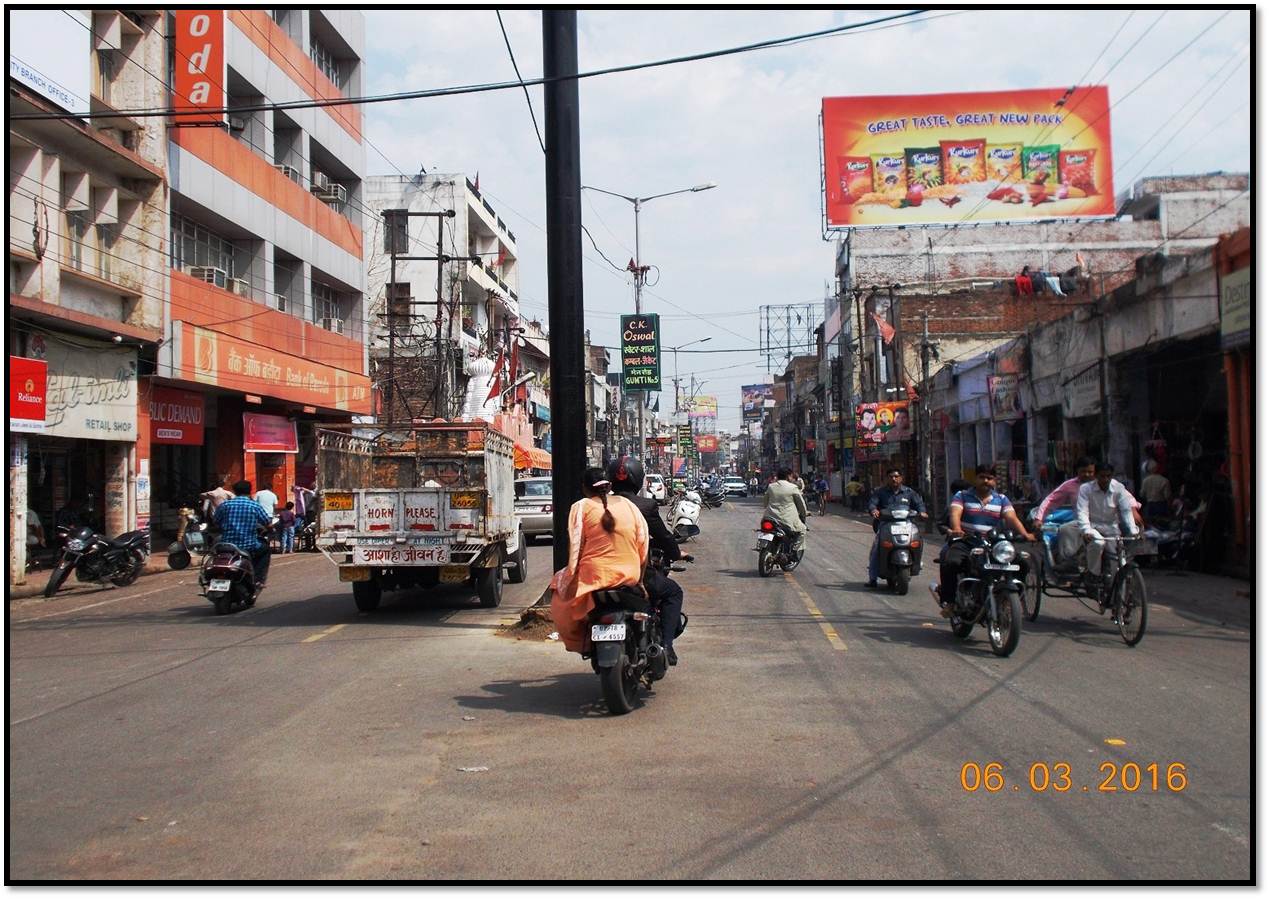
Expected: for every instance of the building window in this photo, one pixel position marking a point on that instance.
(76, 237)
(194, 246)
(326, 61)
(106, 239)
(108, 70)
(325, 302)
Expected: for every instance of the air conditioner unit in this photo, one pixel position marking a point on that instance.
(237, 123)
(240, 287)
(290, 171)
(320, 181)
(280, 302)
(333, 324)
(217, 276)
(332, 193)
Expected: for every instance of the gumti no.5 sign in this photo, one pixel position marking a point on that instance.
(640, 352)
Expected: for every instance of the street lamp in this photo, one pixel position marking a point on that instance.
(639, 274)
(675, 351)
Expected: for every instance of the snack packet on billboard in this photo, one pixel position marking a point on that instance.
(1076, 169)
(1040, 164)
(924, 166)
(1004, 163)
(888, 172)
(855, 175)
(964, 161)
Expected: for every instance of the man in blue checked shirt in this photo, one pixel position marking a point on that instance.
(239, 520)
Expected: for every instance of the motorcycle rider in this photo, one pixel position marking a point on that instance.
(240, 520)
(625, 473)
(980, 509)
(893, 494)
(785, 504)
(1102, 505)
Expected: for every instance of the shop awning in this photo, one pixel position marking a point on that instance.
(531, 457)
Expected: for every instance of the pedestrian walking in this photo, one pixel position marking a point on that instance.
(286, 528)
(267, 499)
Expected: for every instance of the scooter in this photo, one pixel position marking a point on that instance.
(228, 579)
(899, 553)
(192, 539)
(684, 515)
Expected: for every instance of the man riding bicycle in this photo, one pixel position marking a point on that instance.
(821, 493)
(1102, 505)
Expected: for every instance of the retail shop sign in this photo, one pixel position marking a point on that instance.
(268, 434)
(1083, 393)
(641, 352)
(176, 416)
(28, 393)
(92, 393)
(1236, 309)
(1006, 402)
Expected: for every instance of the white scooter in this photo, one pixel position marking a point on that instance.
(686, 511)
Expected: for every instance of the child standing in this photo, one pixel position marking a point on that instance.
(286, 525)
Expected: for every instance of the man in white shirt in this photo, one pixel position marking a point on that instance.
(267, 499)
(1101, 507)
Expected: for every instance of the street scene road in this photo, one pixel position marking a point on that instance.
(813, 729)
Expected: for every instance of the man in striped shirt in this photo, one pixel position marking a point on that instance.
(980, 509)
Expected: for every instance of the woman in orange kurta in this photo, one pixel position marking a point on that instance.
(607, 548)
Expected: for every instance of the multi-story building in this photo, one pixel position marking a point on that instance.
(471, 292)
(264, 336)
(87, 271)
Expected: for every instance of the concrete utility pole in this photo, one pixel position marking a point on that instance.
(564, 267)
(927, 429)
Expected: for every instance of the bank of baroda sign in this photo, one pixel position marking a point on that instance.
(640, 352)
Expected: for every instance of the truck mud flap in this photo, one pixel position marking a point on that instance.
(608, 655)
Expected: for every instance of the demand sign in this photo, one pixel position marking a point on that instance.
(641, 352)
(176, 416)
(995, 156)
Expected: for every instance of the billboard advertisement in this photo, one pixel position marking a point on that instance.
(28, 389)
(50, 52)
(707, 443)
(878, 423)
(640, 352)
(995, 156)
(703, 407)
(754, 398)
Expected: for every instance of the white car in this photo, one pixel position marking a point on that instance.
(654, 484)
(733, 486)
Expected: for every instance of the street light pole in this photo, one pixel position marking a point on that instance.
(675, 351)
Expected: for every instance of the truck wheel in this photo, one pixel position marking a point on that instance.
(367, 595)
(520, 573)
(489, 586)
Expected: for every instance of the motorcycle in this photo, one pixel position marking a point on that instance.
(306, 537)
(684, 515)
(991, 593)
(228, 579)
(627, 645)
(775, 547)
(712, 498)
(95, 559)
(193, 538)
(899, 555)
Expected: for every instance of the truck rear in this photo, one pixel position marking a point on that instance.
(419, 506)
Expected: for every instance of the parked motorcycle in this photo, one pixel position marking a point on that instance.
(684, 516)
(228, 579)
(95, 559)
(306, 537)
(899, 555)
(991, 593)
(626, 641)
(192, 540)
(775, 547)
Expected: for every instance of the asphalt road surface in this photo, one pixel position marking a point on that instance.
(813, 729)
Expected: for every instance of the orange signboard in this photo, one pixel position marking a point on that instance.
(972, 157)
(214, 358)
(198, 81)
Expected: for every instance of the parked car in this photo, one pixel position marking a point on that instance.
(734, 486)
(655, 485)
(534, 508)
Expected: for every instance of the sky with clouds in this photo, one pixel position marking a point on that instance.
(749, 123)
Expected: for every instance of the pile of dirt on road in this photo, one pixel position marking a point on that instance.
(535, 624)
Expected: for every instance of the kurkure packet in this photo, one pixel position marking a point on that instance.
(888, 172)
(1076, 169)
(854, 174)
(924, 166)
(964, 161)
(1040, 164)
(1004, 163)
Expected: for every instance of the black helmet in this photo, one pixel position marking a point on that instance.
(626, 474)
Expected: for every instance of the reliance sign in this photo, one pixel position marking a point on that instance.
(28, 392)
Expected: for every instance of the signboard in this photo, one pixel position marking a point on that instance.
(50, 52)
(268, 434)
(754, 398)
(878, 423)
(707, 443)
(703, 407)
(176, 416)
(91, 393)
(28, 392)
(641, 352)
(1236, 308)
(684, 435)
(1082, 394)
(1006, 403)
(437, 554)
(199, 64)
(996, 156)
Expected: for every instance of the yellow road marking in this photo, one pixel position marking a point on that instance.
(326, 633)
(1115, 741)
(834, 639)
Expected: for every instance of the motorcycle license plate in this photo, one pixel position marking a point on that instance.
(995, 567)
(194, 538)
(602, 632)
(218, 587)
(765, 538)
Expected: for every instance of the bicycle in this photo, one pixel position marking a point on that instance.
(822, 501)
(1119, 587)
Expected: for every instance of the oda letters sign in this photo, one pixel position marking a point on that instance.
(199, 65)
(640, 352)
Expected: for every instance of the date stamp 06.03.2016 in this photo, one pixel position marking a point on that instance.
(1060, 777)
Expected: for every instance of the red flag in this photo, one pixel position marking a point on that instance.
(502, 256)
(515, 360)
(496, 390)
(887, 331)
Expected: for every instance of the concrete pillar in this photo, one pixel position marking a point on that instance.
(17, 509)
(116, 489)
